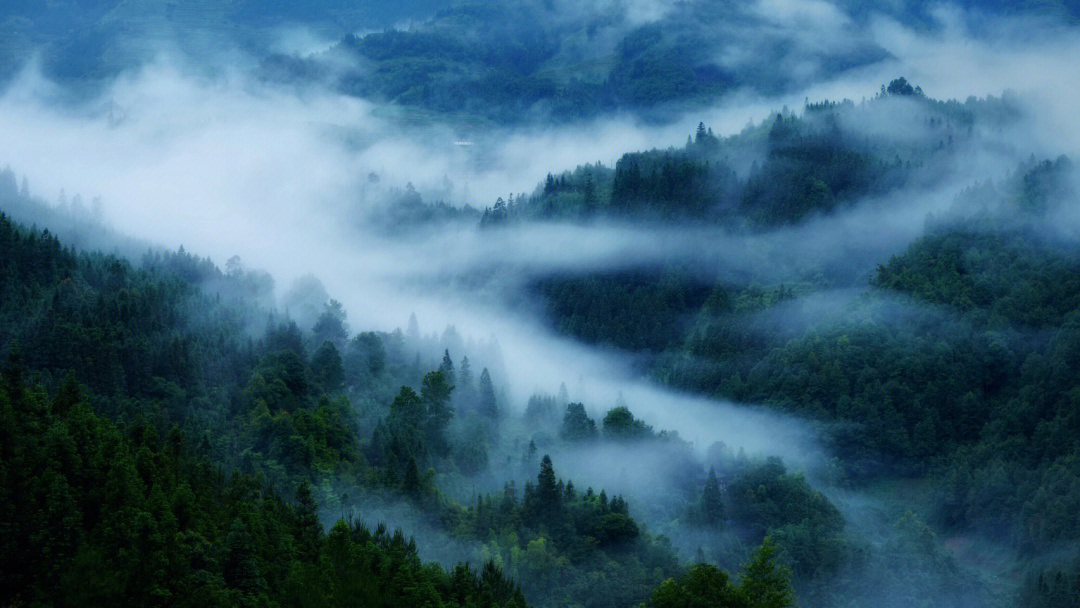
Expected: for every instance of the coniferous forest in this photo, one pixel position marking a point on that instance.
(598, 304)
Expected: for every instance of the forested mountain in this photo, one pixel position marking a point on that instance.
(950, 363)
(475, 62)
(175, 444)
(81, 41)
(781, 171)
(508, 303)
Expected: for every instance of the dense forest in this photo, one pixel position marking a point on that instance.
(948, 363)
(241, 455)
(177, 444)
(552, 303)
(782, 171)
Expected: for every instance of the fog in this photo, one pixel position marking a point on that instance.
(225, 164)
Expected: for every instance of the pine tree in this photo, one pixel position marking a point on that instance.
(407, 408)
(765, 584)
(331, 325)
(413, 331)
(435, 394)
(327, 368)
(241, 568)
(712, 506)
(576, 424)
(489, 409)
(310, 531)
(447, 367)
(465, 389)
(464, 379)
(548, 495)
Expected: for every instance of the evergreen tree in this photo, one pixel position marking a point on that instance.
(702, 586)
(435, 394)
(241, 568)
(549, 184)
(447, 367)
(408, 408)
(326, 367)
(309, 535)
(331, 325)
(548, 496)
(589, 192)
(412, 333)
(619, 423)
(765, 584)
(487, 404)
(464, 379)
(712, 505)
(576, 424)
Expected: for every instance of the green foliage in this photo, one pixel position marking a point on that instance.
(501, 61)
(702, 586)
(968, 396)
(365, 356)
(620, 425)
(330, 327)
(901, 86)
(1046, 186)
(712, 507)
(1005, 277)
(97, 513)
(811, 169)
(608, 309)
(1052, 588)
(326, 368)
(487, 404)
(561, 544)
(673, 185)
(651, 67)
(790, 167)
(577, 425)
(763, 584)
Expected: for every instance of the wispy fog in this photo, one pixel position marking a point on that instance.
(284, 177)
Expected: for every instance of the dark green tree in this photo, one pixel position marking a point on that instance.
(435, 393)
(702, 586)
(326, 367)
(577, 425)
(712, 504)
(447, 367)
(548, 495)
(489, 408)
(764, 583)
(309, 530)
(331, 324)
(619, 423)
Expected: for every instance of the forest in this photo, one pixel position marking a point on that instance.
(177, 445)
(599, 304)
(947, 363)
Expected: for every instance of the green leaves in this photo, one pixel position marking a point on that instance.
(763, 584)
